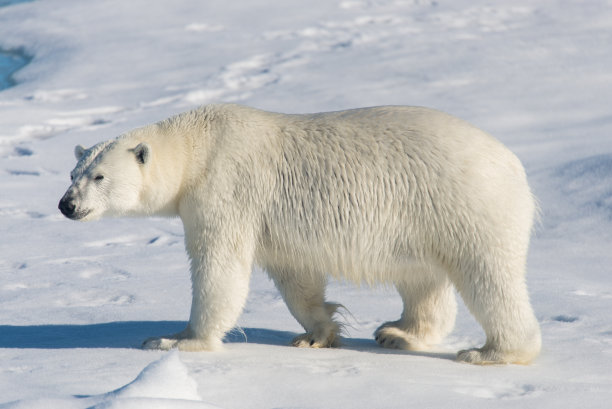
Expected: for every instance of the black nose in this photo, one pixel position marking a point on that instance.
(67, 206)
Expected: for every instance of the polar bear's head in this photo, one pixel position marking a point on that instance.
(107, 180)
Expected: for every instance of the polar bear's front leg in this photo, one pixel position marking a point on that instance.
(166, 342)
(220, 271)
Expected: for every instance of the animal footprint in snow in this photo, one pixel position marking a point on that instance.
(58, 95)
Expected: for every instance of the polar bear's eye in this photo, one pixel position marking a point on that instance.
(99, 178)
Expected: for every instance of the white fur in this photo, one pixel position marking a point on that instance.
(402, 195)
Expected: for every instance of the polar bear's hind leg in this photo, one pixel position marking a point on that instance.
(304, 294)
(429, 312)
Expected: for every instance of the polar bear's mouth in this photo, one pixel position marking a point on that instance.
(80, 214)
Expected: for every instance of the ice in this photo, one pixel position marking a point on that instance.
(10, 61)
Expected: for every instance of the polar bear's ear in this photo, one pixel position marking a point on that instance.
(79, 151)
(142, 152)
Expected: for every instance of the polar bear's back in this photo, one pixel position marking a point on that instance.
(361, 193)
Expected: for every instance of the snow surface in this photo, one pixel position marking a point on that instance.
(77, 299)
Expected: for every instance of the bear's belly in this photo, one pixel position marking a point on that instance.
(345, 255)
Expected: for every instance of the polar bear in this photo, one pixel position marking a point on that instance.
(408, 196)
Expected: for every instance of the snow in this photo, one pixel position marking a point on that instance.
(76, 300)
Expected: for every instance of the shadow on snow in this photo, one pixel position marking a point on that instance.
(130, 334)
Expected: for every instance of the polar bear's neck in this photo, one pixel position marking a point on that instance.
(165, 174)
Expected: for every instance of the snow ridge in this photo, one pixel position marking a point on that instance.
(165, 383)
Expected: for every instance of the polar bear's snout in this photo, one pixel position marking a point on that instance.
(69, 207)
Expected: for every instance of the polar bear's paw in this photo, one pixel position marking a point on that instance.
(390, 336)
(183, 344)
(163, 344)
(310, 340)
(492, 356)
(481, 356)
(325, 336)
